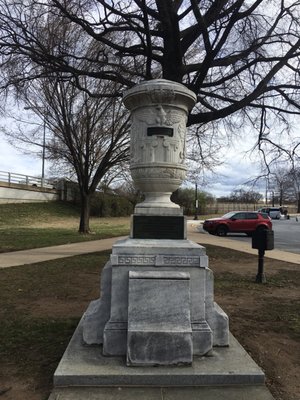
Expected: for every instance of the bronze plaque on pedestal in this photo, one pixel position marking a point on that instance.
(158, 227)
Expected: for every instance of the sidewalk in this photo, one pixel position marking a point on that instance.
(31, 256)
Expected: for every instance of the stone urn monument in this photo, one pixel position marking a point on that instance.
(159, 111)
(156, 304)
(156, 322)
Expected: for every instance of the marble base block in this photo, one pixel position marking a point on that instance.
(115, 338)
(159, 322)
(98, 312)
(106, 320)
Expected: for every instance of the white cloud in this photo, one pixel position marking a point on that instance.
(239, 166)
(12, 160)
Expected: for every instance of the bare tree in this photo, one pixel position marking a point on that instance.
(90, 135)
(286, 184)
(295, 174)
(243, 196)
(280, 176)
(234, 55)
(240, 57)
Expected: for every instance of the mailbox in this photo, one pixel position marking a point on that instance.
(263, 239)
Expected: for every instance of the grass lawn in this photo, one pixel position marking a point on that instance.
(31, 225)
(42, 303)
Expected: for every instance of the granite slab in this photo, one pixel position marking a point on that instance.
(86, 366)
(257, 392)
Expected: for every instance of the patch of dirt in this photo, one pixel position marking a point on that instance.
(13, 387)
(44, 308)
(260, 320)
(278, 356)
(271, 267)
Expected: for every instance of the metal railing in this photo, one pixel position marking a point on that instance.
(20, 179)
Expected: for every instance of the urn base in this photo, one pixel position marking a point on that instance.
(157, 203)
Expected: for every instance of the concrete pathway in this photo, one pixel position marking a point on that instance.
(31, 256)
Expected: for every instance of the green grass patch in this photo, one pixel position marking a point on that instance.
(29, 213)
(229, 281)
(33, 225)
(34, 343)
(35, 346)
(282, 315)
(217, 253)
(283, 279)
(59, 279)
(278, 313)
(28, 238)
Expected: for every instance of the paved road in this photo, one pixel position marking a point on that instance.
(286, 235)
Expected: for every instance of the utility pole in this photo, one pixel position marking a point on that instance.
(196, 202)
(44, 140)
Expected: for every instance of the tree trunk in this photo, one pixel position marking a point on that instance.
(281, 197)
(298, 203)
(172, 53)
(84, 225)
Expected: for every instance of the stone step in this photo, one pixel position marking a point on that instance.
(86, 366)
(186, 393)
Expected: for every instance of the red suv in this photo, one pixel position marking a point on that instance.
(237, 222)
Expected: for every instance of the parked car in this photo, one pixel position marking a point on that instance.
(273, 212)
(238, 222)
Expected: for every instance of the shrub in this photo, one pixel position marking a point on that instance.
(110, 205)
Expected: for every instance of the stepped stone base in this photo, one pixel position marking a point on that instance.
(83, 365)
(197, 316)
(187, 393)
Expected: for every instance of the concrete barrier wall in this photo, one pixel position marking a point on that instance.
(20, 194)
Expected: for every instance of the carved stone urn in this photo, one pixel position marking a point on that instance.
(159, 110)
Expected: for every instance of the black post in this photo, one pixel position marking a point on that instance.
(196, 202)
(43, 154)
(260, 277)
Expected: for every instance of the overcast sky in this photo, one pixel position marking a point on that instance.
(239, 166)
(12, 160)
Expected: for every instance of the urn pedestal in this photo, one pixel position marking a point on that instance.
(159, 309)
